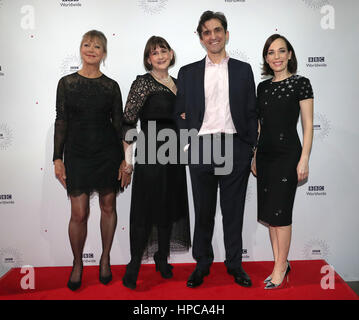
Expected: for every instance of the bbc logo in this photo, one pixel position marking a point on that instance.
(5, 196)
(316, 59)
(316, 188)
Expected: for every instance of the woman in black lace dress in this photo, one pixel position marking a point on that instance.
(159, 217)
(280, 161)
(88, 137)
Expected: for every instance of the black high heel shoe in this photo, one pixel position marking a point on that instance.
(270, 285)
(163, 267)
(105, 279)
(74, 285)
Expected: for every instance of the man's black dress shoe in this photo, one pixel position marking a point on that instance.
(240, 277)
(196, 278)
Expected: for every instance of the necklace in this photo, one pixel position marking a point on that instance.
(166, 80)
(286, 77)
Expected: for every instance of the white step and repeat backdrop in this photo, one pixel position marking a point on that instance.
(40, 43)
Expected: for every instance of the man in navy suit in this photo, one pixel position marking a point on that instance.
(216, 96)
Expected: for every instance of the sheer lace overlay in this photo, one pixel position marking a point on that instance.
(159, 217)
(88, 133)
(143, 88)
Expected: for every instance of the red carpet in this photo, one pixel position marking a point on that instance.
(50, 284)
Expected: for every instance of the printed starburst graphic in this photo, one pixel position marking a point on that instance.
(316, 249)
(316, 4)
(6, 136)
(240, 55)
(321, 126)
(70, 64)
(152, 6)
(9, 258)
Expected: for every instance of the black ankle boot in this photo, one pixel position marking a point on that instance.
(130, 278)
(162, 266)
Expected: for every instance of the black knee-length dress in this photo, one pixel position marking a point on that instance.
(88, 133)
(279, 148)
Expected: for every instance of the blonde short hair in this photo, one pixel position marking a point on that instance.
(92, 34)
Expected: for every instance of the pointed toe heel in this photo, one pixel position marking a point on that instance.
(75, 285)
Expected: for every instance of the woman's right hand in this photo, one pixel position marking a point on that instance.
(60, 171)
(124, 173)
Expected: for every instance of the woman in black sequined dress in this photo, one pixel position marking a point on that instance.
(88, 150)
(280, 161)
(159, 217)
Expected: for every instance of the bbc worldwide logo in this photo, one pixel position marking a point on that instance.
(88, 258)
(316, 62)
(316, 191)
(6, 199)
(70, 3)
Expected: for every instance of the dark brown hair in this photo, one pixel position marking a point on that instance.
(152, 44)
(292, 63)
(208, 15)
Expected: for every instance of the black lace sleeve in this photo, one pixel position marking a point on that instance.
(117, 112)
(60, 122)
(136, 99)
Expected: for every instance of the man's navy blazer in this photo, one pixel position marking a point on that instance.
(242, 99)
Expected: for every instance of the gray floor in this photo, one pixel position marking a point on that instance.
(354, 285)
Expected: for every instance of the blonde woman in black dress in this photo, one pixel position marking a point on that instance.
(280, 161)
(88, 150)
